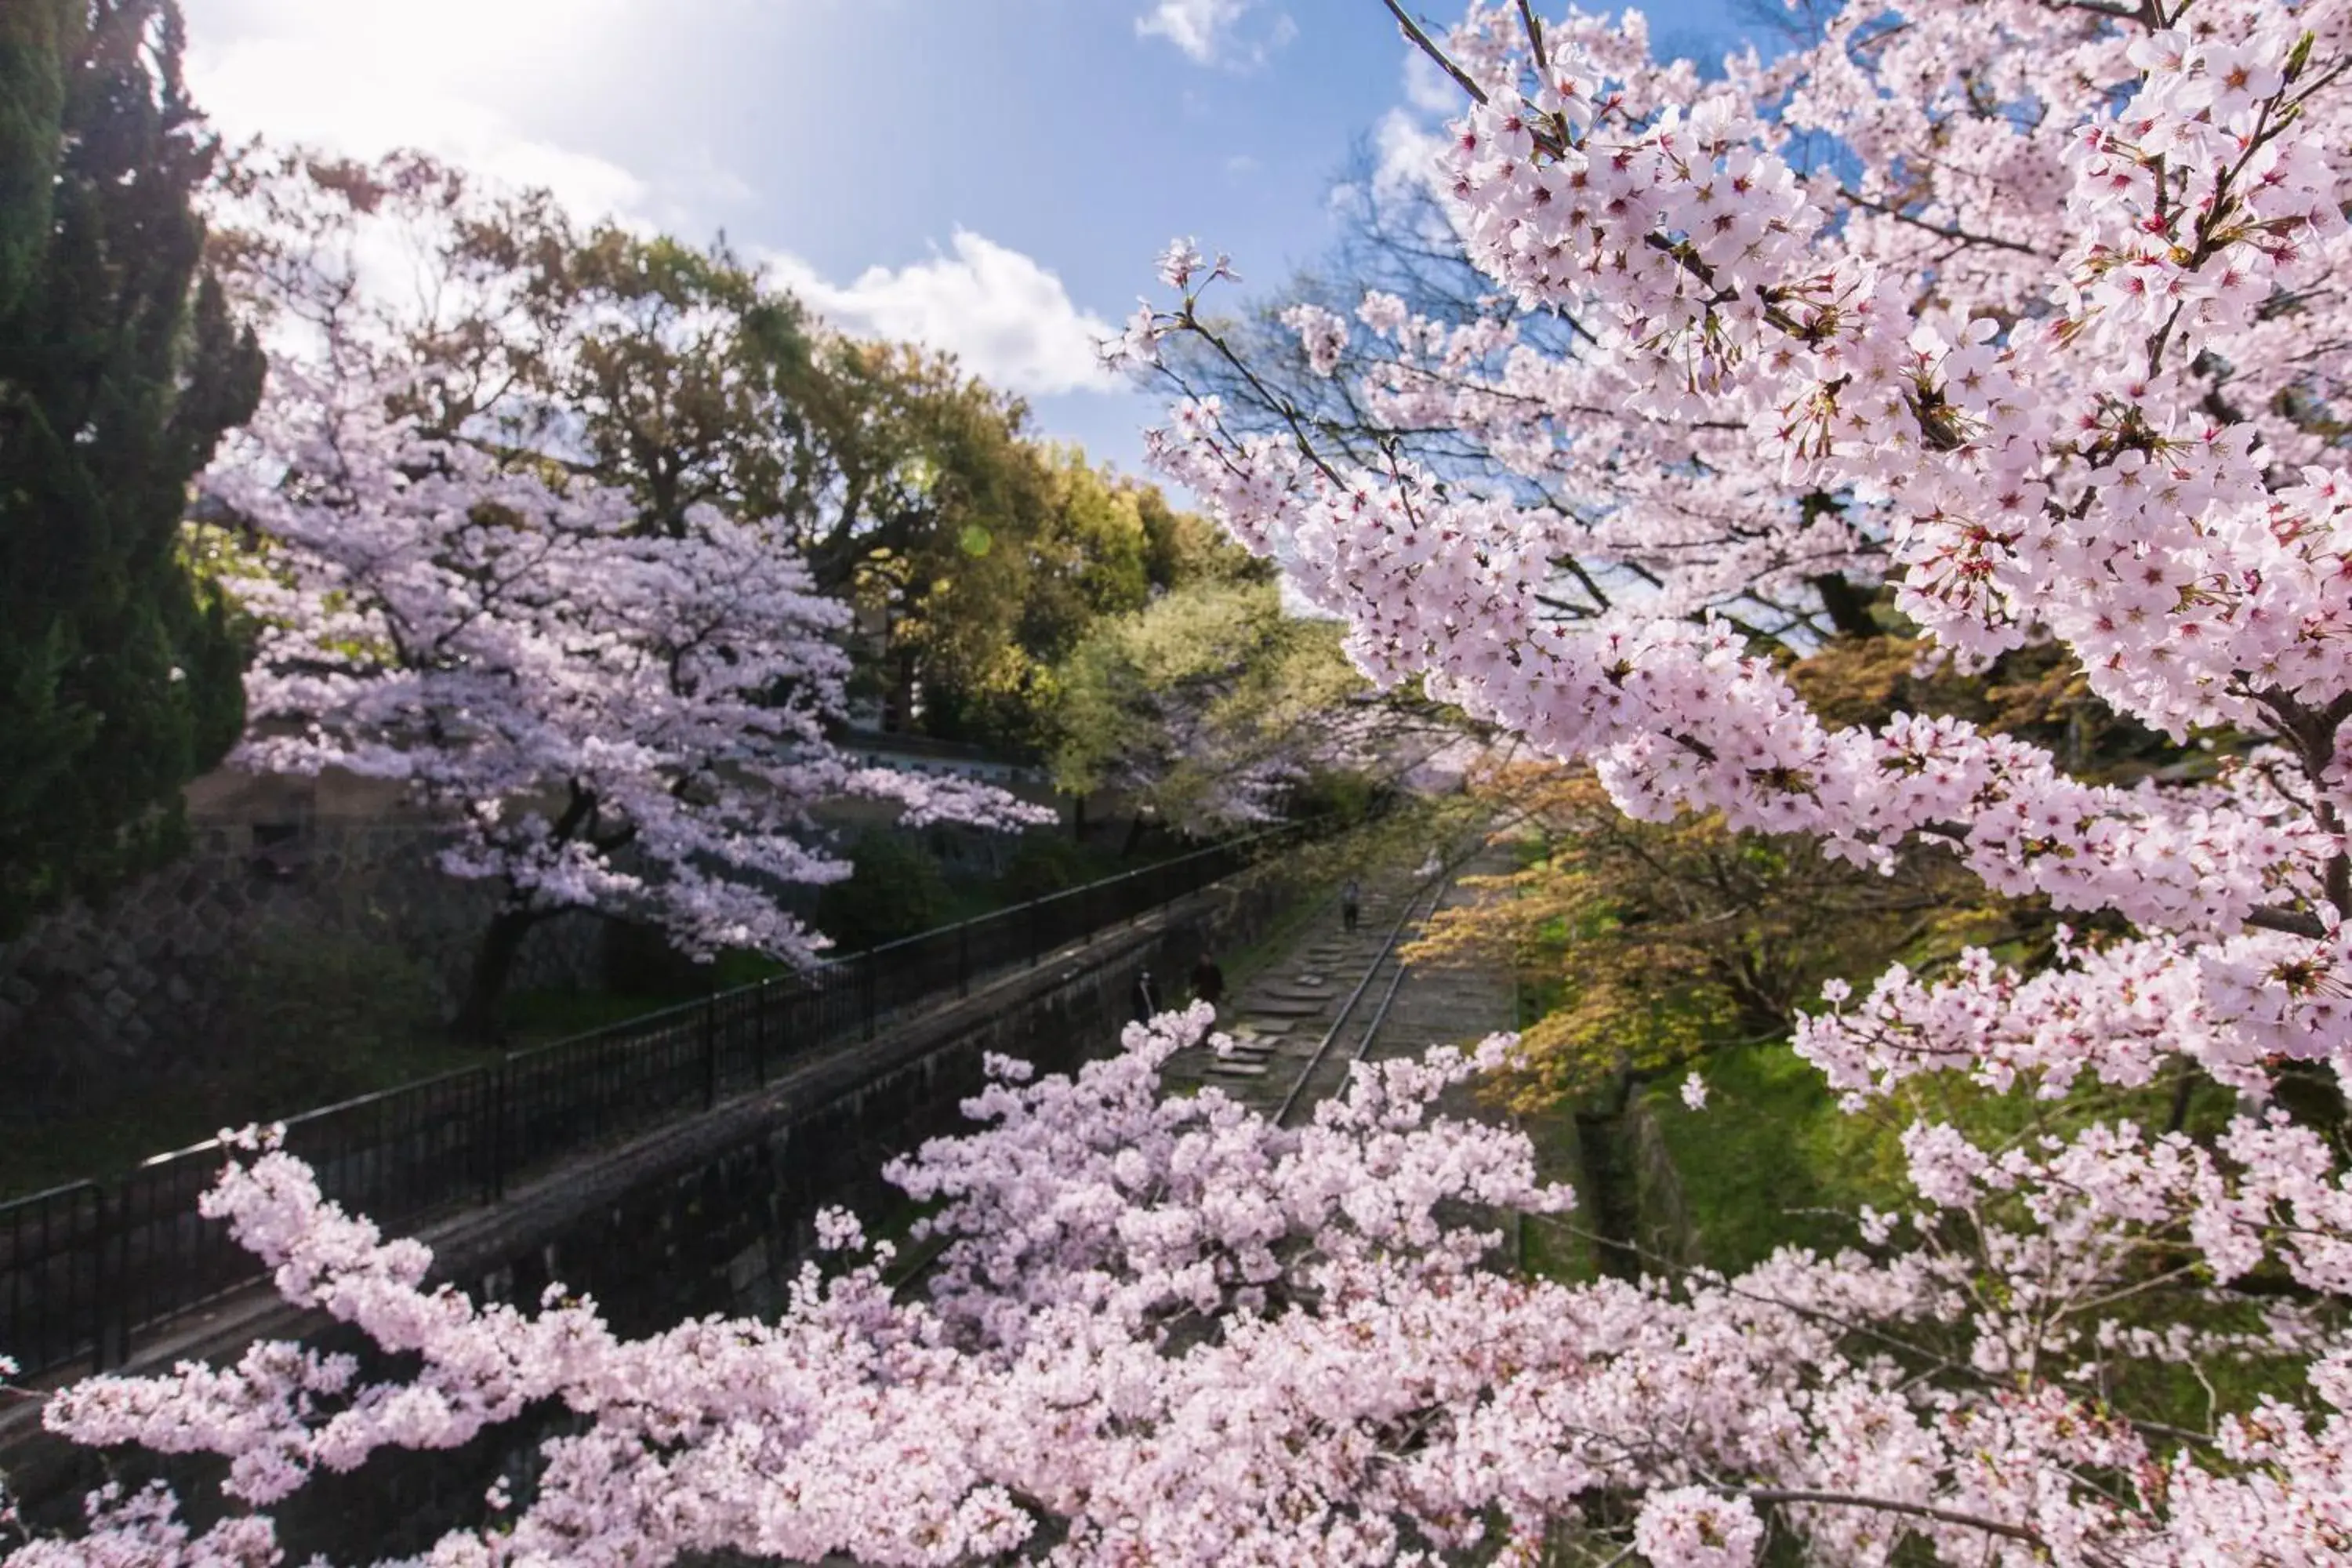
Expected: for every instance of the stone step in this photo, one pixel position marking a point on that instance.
(1290, 1006)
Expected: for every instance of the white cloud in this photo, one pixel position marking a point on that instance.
(1429, 88)
(1193, 26)
(1209, 32)
(462, 79)
(1405, 153)
(1406, 144)
(1007, 319)
(476, 81)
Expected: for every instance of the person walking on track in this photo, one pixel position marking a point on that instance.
(1208, 982)
(1351, 899)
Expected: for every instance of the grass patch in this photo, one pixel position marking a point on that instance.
(57, 1148)
(1772, 1161)
(539, 1017)
(1771, 1156)
(1557, 1247)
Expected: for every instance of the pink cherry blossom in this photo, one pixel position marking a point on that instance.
(2031, 314)
(607, 717)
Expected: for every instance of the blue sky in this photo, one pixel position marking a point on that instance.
(992, 177)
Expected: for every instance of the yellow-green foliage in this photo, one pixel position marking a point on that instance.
(1647, 944)
(1205, 684)
(1644, 945)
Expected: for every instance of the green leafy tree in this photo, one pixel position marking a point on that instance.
(120, 369)
(679, 373)
(1646, 945)
(937, 541)
(893, 890)
(1180, 548)
(977, 556)
(1210, 704)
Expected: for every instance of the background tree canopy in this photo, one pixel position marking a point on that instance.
(1212, 704)
(975, 554)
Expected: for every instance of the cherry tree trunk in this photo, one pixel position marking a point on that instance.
(476, 1019)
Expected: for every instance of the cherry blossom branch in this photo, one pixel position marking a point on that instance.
(1943, 231)
(1892, 1505)
(1444, 62)
(1534, 37)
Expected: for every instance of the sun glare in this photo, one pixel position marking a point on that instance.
(455, 78)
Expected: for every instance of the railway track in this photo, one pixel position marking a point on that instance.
(1349, 1036)
(1337, 998)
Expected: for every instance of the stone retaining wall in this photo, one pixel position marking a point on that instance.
(156, 980)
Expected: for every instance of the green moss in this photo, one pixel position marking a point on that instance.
(1557, 1247)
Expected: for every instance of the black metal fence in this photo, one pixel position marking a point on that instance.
(89, 1268)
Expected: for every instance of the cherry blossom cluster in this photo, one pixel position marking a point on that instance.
(1169, 1329)
(2032, 314)
(609, 710)
(2119, 1012)
(1667, 510)
(610, 718)
(1158, 1210)
(2049, 343)
(2036, 379)
(1680, 717)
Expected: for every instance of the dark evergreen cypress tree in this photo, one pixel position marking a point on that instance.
(120, 675)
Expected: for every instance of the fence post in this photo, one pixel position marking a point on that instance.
(499, 1076)
(759, 1035)
(869, 966)
(963, 958)
(709, 1052)
(103, 1288)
